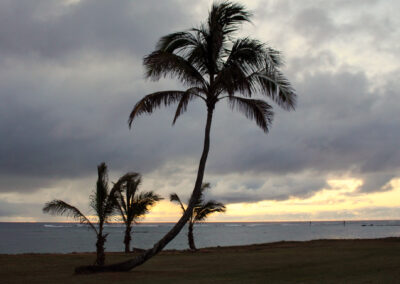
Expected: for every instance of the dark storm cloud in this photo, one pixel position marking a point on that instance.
(338, 123)
(374, 182)
(51, 29)
(340, 126)
(69, 76)
(69, 137)
(58, 120)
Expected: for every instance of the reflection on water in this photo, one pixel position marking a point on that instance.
(71, 237)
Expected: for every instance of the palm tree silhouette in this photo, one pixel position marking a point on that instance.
(214, 66)
(133, 205)
(200, 211)
(102, 201)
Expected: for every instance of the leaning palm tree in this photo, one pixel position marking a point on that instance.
(102, 201)
(200, 211)
(215, 67)
(133, 205)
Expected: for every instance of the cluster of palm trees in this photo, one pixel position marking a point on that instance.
(124, 201)
(214, 66)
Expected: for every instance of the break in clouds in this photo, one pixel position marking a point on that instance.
(70, 72)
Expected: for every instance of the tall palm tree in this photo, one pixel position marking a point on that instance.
(215, 67)
(102, 201)
(200, 211)
(133, 205)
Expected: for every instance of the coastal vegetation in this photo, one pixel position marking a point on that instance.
(201, 211)
(133, 205)
(214, 66)
(103, 202)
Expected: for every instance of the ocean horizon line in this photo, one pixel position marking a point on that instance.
(212, 222)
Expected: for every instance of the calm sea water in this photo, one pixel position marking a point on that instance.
(71, 237)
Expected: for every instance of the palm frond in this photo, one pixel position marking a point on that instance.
(247, 57)
(227, 16)
(59, 207)
(132, 186)
(177, 42)
(161, 63)
(249, 53)
(198, 56)
(111, 203)
(131, 204)
(152, 101)
(233, 78)
(275, 85)
(208, 208)
(99, 197)
(125, 195)
(148, 198)
(257, 110)
(173, 197)
(143, 202)
(224, 19)
(121, 204)
(189, 95)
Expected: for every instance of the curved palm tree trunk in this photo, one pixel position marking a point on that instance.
(129, 264)
(128, 238)
(190, 237)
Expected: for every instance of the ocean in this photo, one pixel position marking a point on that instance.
(16, 238)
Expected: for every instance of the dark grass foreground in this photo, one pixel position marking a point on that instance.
(322, 261)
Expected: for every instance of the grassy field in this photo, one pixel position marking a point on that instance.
(322, 261)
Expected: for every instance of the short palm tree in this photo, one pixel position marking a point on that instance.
(133, 205)
(200, 211)
(214, 66)
(102, 201)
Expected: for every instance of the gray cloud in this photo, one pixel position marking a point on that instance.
(316, 24)
(362, 213)
(266, 187)
(69, 76)
(51, 29)
(16, 209)
(339, 21)
(337, 126)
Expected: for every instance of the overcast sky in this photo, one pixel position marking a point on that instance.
(71, 71)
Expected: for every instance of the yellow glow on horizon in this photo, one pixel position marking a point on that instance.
(342, 195)
(164, 211)
(340, 200)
